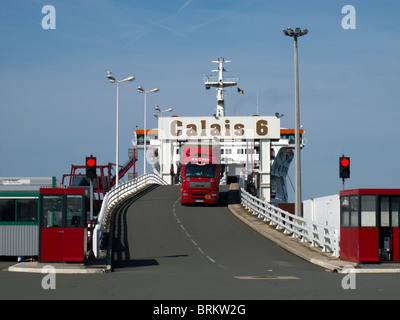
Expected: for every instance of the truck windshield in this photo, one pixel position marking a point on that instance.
(204, 171)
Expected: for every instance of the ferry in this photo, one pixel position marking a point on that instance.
(239, 157)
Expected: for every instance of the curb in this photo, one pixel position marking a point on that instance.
(37, 267)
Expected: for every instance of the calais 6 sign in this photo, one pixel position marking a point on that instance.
(189, 128)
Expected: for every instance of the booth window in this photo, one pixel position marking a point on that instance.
(368, 211)
(385, 213)
(354, 211)
(52, 211)
(74, 211)
(63, 211)
(349, 211)
(344, 210)
(395, 201)
(389, 216)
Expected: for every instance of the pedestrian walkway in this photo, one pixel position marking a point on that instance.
(302, 249)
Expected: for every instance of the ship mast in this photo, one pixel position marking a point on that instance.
(219, 83)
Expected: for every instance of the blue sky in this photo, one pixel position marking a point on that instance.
(57, 106)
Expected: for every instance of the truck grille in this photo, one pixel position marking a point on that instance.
(198, 184)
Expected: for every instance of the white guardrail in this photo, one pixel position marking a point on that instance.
(319, 235)
(113, 197)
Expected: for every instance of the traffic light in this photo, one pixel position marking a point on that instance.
(91, 167)
(344, 167)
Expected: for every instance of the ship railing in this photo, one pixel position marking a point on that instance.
(215, 79)
(113, 198)
(317, 235)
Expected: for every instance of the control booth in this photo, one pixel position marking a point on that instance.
(369, 225)
(63, 227)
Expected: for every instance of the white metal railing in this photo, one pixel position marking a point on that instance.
(215, 79)
(319, 235)
(113, 197)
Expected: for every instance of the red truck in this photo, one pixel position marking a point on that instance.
(200, 173)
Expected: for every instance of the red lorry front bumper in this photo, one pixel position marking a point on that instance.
(188, 197)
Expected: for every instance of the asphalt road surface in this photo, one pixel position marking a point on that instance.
(165, 251)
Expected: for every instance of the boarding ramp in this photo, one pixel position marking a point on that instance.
(110, 202)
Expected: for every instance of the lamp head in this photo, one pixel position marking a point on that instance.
(111, 78)
(296, 33)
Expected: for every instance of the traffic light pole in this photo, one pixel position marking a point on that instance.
(91, 254)
(91, 168)
(91, 200)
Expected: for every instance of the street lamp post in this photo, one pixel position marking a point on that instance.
(113, 80)
(295, 34)
(157, 108)
(141, 90)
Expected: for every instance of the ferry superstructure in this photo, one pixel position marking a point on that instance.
(239, 156)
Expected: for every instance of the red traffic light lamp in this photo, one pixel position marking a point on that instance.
(345, 162)
(91, 162)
